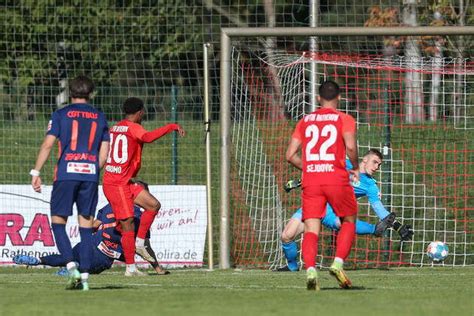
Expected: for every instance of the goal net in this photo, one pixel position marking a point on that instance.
(418, 112)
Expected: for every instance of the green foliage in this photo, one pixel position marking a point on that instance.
(102, 38)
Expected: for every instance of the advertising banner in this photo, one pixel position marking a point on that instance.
(178, 233)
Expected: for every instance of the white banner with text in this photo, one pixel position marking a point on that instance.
(178, 233)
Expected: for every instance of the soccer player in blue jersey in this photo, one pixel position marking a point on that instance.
(367, 186)
(106, 244)
(83, 140)
(106, 247)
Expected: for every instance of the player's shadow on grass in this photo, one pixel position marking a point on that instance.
(113, 287)
(354, 288)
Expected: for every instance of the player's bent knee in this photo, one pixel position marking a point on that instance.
(127, 224)
(349, 219)
(287, 237)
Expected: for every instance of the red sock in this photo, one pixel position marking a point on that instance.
(310, 249)
(146, 220)
(345, 238)
(128, 245)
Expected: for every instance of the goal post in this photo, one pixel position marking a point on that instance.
(407, 181)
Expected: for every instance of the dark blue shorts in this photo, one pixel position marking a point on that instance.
(100, 262)
(65, 193)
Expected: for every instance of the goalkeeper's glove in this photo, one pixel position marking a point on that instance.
(405, 231)
(292, 184)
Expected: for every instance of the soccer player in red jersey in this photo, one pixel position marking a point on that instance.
(324, 138)
(123, 163)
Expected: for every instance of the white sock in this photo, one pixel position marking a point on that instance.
(84, 276)
(131, 267)
(71, 266)
(139, 242)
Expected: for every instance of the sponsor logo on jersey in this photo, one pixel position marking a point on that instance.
(107, 251)
(78, 167)
(80, 156)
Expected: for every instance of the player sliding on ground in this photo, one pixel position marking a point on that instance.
(123, 163)
(367, 186)
(106, 246)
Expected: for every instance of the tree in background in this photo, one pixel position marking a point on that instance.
(446, 13)
(414, 111)
(117, 43)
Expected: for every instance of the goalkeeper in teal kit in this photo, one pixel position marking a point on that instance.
(367, 186)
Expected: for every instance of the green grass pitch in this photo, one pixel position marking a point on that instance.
(401, 291)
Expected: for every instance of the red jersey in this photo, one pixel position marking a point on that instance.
(125, 154)
(323, 148)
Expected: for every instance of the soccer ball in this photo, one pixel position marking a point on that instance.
(437, 251)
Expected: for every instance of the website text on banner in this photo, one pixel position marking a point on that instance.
(177, 236)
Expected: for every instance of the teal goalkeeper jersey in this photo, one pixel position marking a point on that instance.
(367, 186)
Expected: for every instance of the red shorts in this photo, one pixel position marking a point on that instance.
(340, 197)
(121, 198)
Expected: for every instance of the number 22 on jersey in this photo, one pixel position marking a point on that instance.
(313, 153)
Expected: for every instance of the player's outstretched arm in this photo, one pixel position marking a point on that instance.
(149, 137)
(181, 131)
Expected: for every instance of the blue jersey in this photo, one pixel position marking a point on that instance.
(80, 130)
(107, 238)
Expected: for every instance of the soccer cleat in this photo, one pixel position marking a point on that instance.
(134, 273)
(285, 268)
(382, 226)
(282, 269)
(26, 260)
(312, 279)
(74, 280)
(160, 271)
(163, 272)
(337, 271)
(143, 252)
(62, 272)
